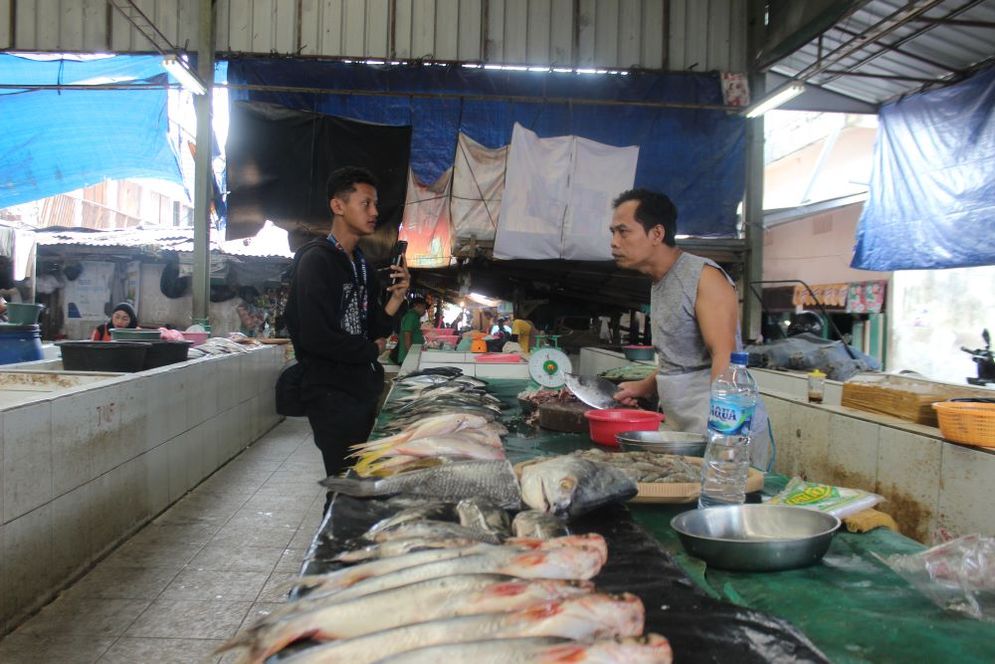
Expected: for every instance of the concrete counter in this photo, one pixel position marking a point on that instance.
(86, 466)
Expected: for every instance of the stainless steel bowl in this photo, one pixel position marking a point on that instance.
(756, 538)
(663, 442)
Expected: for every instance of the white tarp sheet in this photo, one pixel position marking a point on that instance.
(478, 185)
(425, 225)
(558, 193)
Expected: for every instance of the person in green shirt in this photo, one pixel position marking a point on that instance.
(411, 328)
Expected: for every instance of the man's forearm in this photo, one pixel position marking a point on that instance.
(393, 304)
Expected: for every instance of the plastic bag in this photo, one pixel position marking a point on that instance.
(839, 501)
(958, 575)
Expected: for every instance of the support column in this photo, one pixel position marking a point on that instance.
(202, 165)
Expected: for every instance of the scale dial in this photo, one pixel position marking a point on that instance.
(547, 367)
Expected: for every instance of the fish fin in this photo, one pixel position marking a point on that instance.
(351, 487)
(363, 466)
(248, 640)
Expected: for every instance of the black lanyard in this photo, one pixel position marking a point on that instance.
(358, 276)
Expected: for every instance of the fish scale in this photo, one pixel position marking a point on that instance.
(494, 480)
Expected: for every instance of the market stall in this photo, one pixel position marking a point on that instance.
(818, 613)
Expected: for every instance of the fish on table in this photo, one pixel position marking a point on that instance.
(454, 481)
(589, 616)
(399, 547)
(569, 563)
(434, 599)
(541, 525)
(484, 515)
(649, 649)
(573, 486)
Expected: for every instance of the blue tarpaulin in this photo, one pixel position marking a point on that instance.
(696, 156)
(932, 192)
(54, 141)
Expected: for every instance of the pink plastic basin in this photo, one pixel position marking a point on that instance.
(498, 357)
(610, 421)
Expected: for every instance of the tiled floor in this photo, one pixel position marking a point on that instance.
(212, 562)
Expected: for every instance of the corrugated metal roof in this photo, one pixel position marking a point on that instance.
(940, 45)
(266, 244)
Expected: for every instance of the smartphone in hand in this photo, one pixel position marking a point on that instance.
(396, 256)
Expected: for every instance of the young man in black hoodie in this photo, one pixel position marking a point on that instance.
(338, 321)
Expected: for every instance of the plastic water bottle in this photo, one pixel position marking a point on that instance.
(727, 456)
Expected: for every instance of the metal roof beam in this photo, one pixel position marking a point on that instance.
(960, 23)
(891, 77)
(882, 28)
(907, 38)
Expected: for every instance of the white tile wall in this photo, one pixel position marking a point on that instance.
(7, 606)
(246, 386)
(495, 370)
(909, 478)
(72, 532)
(809, 428)
(27, 556)
(853, 452)
(228, 370)
(27, 458)
(157, 478)
(74, 417)
(131, 399)
(177, 451)
(965, 498)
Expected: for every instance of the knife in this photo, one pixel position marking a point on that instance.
(593, 390)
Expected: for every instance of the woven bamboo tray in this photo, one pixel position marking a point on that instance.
(906, 398)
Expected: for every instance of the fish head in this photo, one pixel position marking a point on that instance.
(603, 616)
(548, 491)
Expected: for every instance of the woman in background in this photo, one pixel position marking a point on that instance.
(122, 316)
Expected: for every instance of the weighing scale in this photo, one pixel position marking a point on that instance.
(548, 365)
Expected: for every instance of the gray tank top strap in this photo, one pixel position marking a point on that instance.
(676, 336)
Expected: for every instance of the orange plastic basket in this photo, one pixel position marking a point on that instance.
(968, 423)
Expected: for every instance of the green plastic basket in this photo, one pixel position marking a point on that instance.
(132, 334)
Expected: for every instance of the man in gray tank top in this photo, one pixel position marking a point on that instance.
(694, 309)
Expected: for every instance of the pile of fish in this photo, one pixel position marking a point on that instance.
(449, 576)
(438, 415)
(648, 467)
(439, 390)
(429, 442)
(217, 346)
(444, 582)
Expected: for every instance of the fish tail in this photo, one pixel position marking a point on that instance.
(351, 487)
(364, 466)
(248, 641)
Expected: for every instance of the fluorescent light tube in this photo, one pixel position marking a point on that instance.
(774, 100)
(181, 72)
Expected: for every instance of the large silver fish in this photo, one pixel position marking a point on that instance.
(431, 528)
(650, 649)
(455, 481)
(574, 486)
(400, 547)
(435, 599)
(561, 562)
(431, 510)
(594, 616)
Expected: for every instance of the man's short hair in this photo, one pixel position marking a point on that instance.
(415, 301)
(344, 181)
(653, 209)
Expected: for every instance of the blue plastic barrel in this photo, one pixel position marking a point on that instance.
(20, 343)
